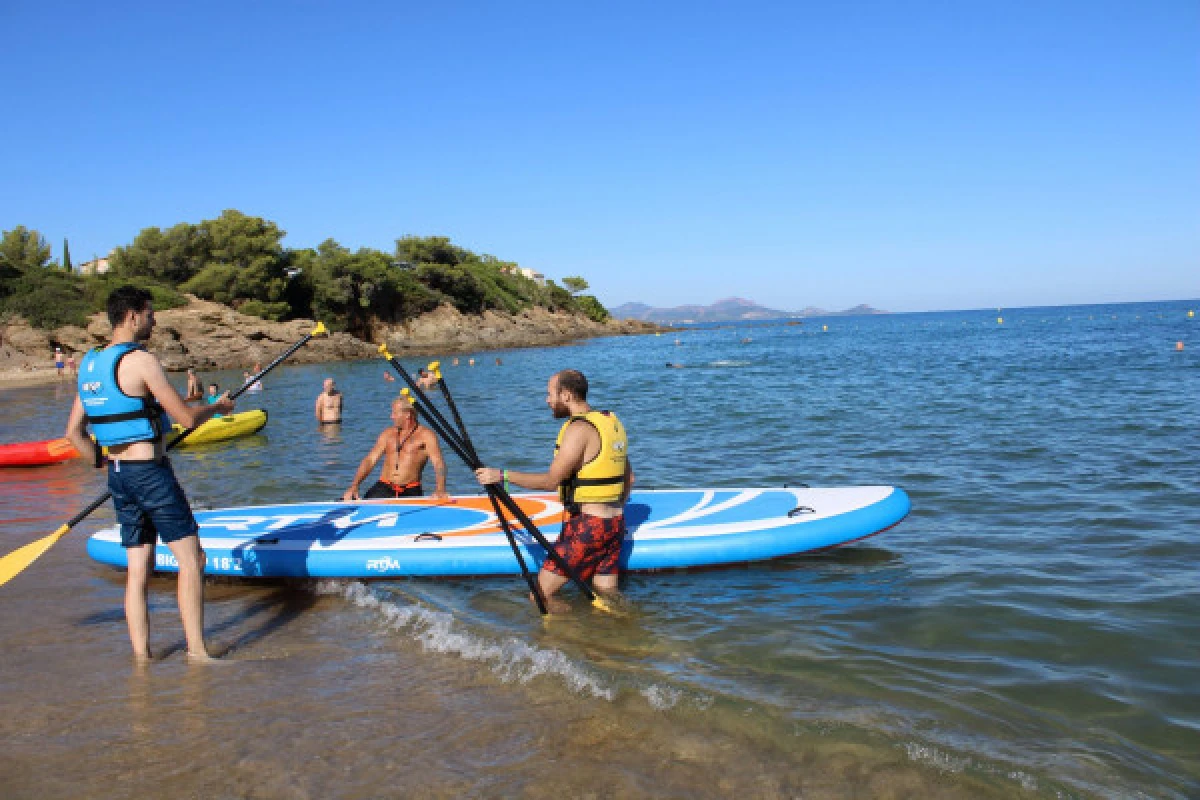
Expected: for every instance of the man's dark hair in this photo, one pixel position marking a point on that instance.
(573, 381)
(124, 299)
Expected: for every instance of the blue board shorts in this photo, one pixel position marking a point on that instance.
(149, 503)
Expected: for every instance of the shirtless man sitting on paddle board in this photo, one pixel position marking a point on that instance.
(405, 448)
(329, 403)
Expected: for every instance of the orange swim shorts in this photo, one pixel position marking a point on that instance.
(590, 545)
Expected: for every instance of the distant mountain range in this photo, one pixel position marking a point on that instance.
(731, 309)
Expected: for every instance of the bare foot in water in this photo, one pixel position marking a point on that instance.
(201, 658)
(553, 605)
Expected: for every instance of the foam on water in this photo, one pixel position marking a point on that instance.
(661, 698)
(947, 763)
(512, 659)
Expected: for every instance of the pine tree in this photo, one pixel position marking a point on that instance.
(67, 257)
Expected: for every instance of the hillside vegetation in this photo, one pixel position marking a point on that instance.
(240, 261)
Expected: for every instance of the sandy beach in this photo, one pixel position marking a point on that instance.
(17, 377)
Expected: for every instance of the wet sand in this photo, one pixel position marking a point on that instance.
(16, 377)
(316, 699)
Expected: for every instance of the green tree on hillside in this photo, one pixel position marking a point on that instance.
(32, 286)
(239, 260)
(244, 260)
(353, 290)
(234, 259)
(575, 284)
(23, 249)
(416, 250)
(172, 256)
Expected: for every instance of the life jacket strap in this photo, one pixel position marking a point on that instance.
(104, 419)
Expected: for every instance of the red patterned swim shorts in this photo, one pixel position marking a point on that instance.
(590, 545)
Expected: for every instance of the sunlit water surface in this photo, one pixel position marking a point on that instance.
(1030, 630)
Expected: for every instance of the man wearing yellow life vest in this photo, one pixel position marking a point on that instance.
(593, 476)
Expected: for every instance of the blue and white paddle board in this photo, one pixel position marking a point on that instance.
(668, 529)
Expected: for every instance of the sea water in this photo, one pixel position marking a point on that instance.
(1030, 630)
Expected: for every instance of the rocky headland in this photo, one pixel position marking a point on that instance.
(208, 336)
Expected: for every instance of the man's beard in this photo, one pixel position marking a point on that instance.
(560, 411)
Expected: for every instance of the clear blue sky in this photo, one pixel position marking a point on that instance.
(908, 155)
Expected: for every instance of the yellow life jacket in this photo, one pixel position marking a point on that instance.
(601, 480)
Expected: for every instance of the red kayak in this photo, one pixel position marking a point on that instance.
(36, 454)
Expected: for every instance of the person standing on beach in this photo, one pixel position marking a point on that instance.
(194, 392)
(405, 447)
(123, 394)
(58, 361)
(593, 476)
(71, 364)
(329, 403)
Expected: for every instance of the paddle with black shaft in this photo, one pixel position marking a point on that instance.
(442, 428)
(15, 562)
(435, 368)
(508, 531)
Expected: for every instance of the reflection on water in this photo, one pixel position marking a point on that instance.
(1028, 631)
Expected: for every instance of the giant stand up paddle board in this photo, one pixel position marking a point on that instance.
(668, 529)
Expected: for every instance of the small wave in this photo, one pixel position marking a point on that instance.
(662, 698)
(437, 631)
(512, 660)
(729, 363)
(945, 762)
(935, 758)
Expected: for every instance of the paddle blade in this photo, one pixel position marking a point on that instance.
(600, 603)
(12, 564)
(320, 330)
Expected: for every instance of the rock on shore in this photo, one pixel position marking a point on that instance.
(207, 336)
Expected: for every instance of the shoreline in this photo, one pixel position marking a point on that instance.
(209, 336)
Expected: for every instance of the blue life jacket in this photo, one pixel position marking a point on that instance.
(115, 417)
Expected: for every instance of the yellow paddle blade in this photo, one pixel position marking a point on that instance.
(12, 564)
(320, 330)
(383, 351)
(600, 603)
(412, 401)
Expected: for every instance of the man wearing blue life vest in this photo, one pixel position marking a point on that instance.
(592, 474)
(122, 396)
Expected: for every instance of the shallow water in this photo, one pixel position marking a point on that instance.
(1030, 630)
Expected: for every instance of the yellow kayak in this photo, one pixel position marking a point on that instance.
(230, 426)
